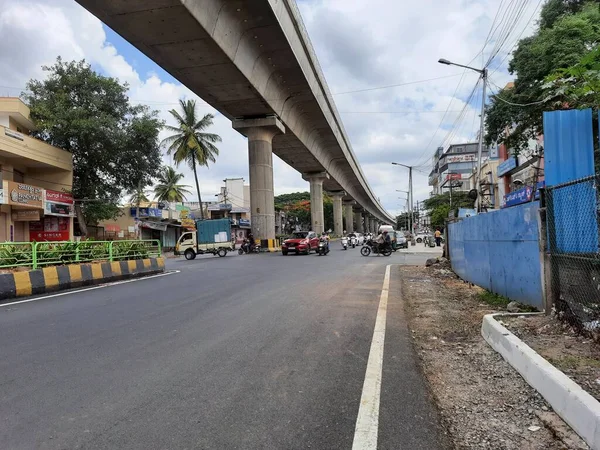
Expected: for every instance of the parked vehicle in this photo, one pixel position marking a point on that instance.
(323, 247)
(345, 243)
(300, 242)
(211, 236)
(401, 241)
(372, 247)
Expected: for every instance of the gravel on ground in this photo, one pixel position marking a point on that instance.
(576, 355)
(484, 402)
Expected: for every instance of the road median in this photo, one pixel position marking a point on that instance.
(56, 278)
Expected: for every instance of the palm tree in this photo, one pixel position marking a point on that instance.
(168, 189)
(137, 196)
(190, 143)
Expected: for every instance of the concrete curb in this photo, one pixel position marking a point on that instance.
(55, 278)
(576, 407)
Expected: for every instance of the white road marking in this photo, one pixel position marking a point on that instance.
(367, 422)
(93, 288)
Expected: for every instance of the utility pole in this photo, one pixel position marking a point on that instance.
(410, 192)
(484, 75)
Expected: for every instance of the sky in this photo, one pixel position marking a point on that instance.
(408, 104)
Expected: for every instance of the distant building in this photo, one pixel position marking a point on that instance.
(234, 202)
(453, 167)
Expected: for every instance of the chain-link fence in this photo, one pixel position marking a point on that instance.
(572, 212)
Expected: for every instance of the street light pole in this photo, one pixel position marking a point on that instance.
(484, 74)
(410, 190)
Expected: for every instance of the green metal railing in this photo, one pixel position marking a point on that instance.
(41, 254)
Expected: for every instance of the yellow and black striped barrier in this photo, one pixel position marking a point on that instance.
(268, 245)
(54, 278)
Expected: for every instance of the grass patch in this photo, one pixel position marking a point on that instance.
(494, 299)
(574, 362)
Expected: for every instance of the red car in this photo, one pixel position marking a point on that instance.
(301, 242)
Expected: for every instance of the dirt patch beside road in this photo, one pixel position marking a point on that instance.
(576, 355)
(484, 402)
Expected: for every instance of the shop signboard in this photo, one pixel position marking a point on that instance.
(523, 195)
(21, 194)
(58, 204)
(146, 212)
(244, 222)
(506, 166)
(469, 157)
(26, 215)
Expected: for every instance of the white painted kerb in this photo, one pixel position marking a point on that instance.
(578, 408)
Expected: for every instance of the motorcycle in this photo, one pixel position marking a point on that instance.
(372, 247)
(247, 249)
(323, 248)
(353, 241)
(345, 243)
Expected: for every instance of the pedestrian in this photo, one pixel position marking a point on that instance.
(438, 237)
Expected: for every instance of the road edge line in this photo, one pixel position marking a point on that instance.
(367, 421)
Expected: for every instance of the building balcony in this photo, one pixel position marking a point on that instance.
(32, 153)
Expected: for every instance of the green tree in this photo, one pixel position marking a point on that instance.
(577, 86)
(567, 31)
(114, 144)
(168, 188)
(190, 144)
(439, 206)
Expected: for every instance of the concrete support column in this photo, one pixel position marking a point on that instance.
(348, 215)
(374, 227)
(338, 226)
(260, 134)
(359, 222)
(316, 200)
(367, 225)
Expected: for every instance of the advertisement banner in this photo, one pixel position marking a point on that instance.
(50, 229)
(154, 225)
(21, 194)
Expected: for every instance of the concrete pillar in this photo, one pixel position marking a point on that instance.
(367, 225)
(348, 215)
(374, 227)
(359, 223)
(338, 226)
(316, 200)
(260, 134)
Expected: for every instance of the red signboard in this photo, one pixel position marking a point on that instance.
(453, 176)
(59, 197)
(41, 236)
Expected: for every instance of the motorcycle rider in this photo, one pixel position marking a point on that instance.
(250, 242)
(379, 240)
(325, 238)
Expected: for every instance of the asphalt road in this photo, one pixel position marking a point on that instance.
(241, 352)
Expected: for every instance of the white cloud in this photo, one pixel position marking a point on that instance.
(360, 44)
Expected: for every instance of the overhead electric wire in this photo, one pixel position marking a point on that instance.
(518, 38)
(509, 24)
(496, 96)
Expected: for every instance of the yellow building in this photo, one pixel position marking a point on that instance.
(37, 179)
